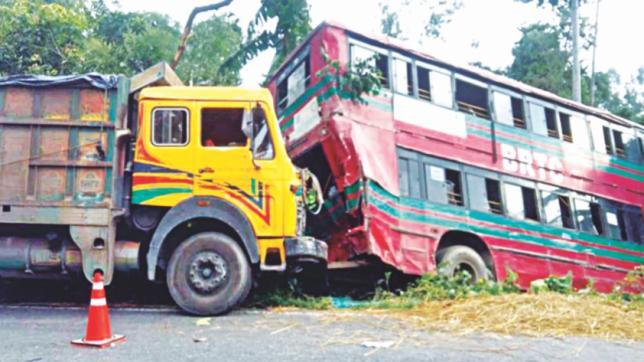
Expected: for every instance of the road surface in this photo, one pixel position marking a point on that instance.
(30, 333)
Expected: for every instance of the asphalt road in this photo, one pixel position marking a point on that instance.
(36, 333)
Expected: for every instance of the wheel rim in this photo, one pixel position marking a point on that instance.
(208, 271)
(467, 268)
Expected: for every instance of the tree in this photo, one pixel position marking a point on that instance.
(390, 25)
(292, 26)
(212, 41)
(437, 12)
(41, 37)
(540, 60)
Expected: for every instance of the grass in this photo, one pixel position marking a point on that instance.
(550, 308)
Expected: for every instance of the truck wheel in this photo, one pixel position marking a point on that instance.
(456, 258)
(208, 274)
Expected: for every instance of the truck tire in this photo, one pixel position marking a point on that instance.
(453, 259)
(208, 274)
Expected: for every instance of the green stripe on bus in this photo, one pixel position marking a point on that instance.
(501, 220)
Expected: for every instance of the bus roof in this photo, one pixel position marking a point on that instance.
(465, 69)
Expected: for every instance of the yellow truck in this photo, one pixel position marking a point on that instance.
(191, 185)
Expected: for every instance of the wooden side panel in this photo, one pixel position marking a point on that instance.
(56, 104)
(90, 184)
(15, 149)
(50, 183)
(94, 105)
(54, 144)
(19, 102)
(92, 145)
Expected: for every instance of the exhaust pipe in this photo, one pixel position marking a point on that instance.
(41, 256)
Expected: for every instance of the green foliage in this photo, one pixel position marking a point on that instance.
(357, 79)
(212, 41)
(283, 297)
(292, 26)
(562, 285)
(74, 36)
(390, 24)
(41, 37)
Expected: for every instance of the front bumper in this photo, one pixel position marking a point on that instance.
(306, 247)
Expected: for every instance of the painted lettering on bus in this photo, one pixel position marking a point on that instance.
(531, 164)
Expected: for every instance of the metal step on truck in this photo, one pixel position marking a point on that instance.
(190, 185)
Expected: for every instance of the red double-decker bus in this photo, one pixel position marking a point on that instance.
(452, 164)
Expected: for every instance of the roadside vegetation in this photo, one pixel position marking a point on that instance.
(438, 303)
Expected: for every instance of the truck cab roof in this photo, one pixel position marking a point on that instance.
(207, 94)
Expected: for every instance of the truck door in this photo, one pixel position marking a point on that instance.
(226, 167)
(164, 158)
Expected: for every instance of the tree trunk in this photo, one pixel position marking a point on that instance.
(576, 70)
(188, 28)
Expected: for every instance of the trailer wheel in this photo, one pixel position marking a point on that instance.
(208, 274)
(457, 258)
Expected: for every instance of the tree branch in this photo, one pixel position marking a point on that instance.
(188, 28)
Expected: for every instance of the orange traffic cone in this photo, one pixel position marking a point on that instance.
(99, 332)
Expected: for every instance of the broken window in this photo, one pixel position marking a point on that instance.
(424, 91)
(619, 143)
(521, 202)
(557, 210)
(409, 177)
(588, 217)
(262, 142)
(443, 185)
(615, 225)
(472, 99)
(484, 194)
(170, 127)
(222, 127)
(403, 78)
(566, 131)
(379, 61)
(293, 83)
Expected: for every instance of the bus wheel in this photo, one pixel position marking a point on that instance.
(454, 259)
(208, 274)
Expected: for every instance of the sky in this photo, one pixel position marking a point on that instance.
(492, 24)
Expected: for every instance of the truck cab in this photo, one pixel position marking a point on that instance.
(213, 160)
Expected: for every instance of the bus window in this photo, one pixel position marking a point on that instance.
(566, 130)
(472, 99)
(543, 121)
(443, 185)
(441, 89)
(484, 194)
(521, 202)
(615, 226)
(634, 225)
(409, 177)
(502, 108)
(293, 83)
(588, 217)
(619, 143)
(423, 83)
(382, 65)
(557, 210)
(454, 191)
(403, 78)
(551, 123)
(607, 140)
(518, 115)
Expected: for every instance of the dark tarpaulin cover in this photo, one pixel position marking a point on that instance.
(90, 80)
